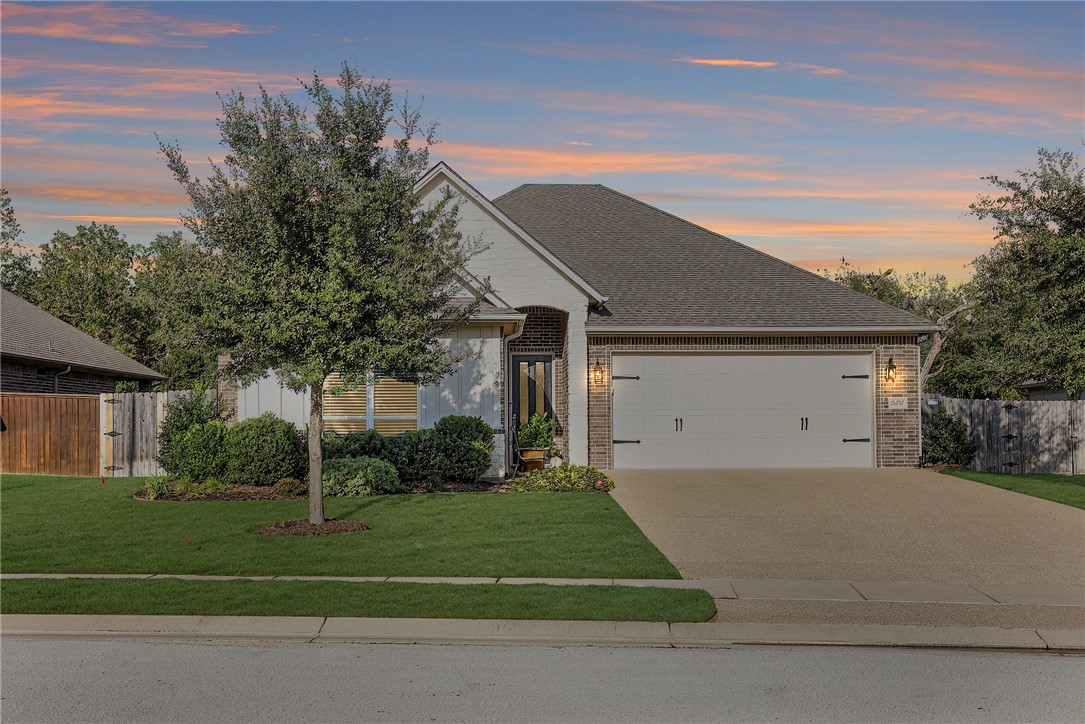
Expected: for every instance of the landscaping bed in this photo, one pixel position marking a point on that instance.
(334, 598)
(77, 525)
(1065, 489)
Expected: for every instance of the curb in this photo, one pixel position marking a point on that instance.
(313, 629)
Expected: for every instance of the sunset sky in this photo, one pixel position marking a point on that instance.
(811, 131)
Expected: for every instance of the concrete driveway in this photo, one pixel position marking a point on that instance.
(857, 525)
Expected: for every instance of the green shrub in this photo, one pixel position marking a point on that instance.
(946, 441)
(200, 452)
(369, 444)
(360, 476)
(263, 450)
(290, 488)
(538, 431)
(564, 479)
(155, 488)
(414, 455)
(464, 448)
(182, 414)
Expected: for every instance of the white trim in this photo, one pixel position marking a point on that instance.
(769, 331)
(468, 190)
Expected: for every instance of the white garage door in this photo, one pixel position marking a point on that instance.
(743, 411)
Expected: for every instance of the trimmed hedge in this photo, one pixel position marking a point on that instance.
(946, 441)
(360, 476)
(262, 450)
(183, 413)
(564, 479)
(464, 448)
(199, 454)
(368, 444)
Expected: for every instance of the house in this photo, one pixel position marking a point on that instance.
(40, 353)
(654, 342)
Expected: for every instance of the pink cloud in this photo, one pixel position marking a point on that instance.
(763, 64)
(126, 24)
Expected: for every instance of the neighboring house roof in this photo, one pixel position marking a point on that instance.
(32, 334)
(664, 273)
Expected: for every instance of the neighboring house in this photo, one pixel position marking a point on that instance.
(40, 353)
(1036, 390)
(654, 342)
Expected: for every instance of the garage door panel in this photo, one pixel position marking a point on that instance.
(743, 410)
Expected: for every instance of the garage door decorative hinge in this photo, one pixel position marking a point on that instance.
(626, 442)
(856, 439)
(625, 377)
(855, 377)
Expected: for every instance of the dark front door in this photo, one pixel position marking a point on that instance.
(532, 383)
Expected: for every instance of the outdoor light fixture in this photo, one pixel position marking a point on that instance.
(598, 373)
(890, 371)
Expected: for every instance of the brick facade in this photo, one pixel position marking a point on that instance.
(897, 431)
(545, 333)
(18, 377)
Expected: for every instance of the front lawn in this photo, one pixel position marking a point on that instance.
(77, 525)
(333, 598)
(1065, 489)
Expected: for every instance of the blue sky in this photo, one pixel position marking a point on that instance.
(809, 130)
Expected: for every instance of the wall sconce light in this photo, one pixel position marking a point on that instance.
(597, 373)
(890, 371)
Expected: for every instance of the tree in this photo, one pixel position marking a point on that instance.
(1028, 322)
(167, 300)
(16, 262)
(321, 256)
(85, 279)
(930, 296)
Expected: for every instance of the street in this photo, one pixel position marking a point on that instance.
(111, 681)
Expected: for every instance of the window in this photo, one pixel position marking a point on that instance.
(387, 406)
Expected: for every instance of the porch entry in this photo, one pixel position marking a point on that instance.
(532, 386)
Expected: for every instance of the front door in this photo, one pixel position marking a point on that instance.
(532, 386)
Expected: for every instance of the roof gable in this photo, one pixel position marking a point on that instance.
(663, 272)
(442, 173)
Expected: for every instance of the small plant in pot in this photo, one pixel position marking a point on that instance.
(535, 437)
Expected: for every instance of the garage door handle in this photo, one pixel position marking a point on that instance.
(626, 442)
(856, 439)
(855, 377)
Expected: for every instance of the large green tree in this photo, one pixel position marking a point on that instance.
(1028, 322)
(322, 257)
(17, 270)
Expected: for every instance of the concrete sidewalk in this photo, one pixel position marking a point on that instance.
(720, 589)
(301, 630)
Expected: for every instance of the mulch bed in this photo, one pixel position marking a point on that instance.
(304, 527)
(237, 492)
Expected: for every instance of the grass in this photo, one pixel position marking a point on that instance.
(1065, 489)
(327, 598)
(77, 525)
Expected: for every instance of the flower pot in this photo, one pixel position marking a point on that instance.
(534, 458)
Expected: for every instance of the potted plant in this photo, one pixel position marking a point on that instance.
(535, 438)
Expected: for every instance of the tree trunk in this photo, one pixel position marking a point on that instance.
(316, 456)
(936, 344)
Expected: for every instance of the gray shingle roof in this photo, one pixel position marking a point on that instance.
(663, 271)
(32, 334)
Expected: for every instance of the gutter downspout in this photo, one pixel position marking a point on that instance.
(506, 393)
(56, 378)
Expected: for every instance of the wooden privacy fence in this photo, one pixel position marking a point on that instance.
(1011, 436)
(130, 425)
(113, 434)
(49, 434)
